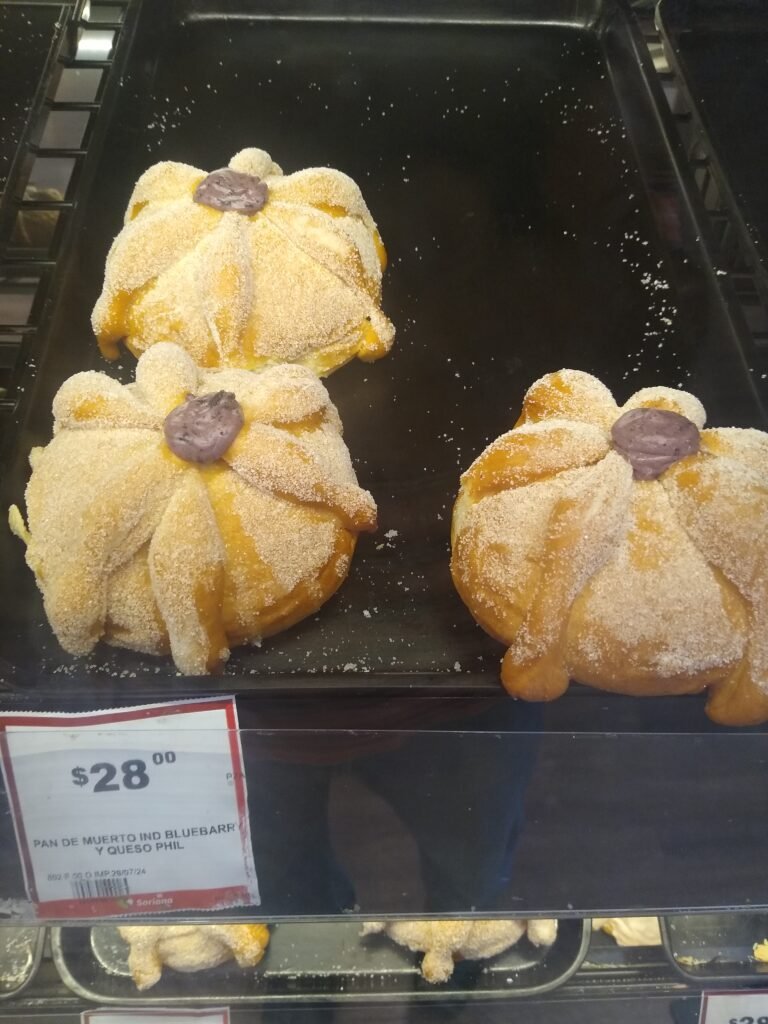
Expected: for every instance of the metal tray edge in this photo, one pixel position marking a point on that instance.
(700, 976)
(36, 961)
(284, 999)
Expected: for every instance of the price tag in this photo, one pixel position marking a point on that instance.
(129, 1016)
(131, 811)
(734, 1007)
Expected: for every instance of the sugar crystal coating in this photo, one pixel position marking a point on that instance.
(131, 544)
(625, 547)
(190, 947)
(246, 267)
(445, 942)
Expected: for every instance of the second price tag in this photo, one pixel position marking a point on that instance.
(741, 1007)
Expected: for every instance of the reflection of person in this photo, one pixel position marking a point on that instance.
(458, 795)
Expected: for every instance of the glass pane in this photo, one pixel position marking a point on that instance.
(64, 129)
(34, 229)
(49, 178)
(481, 823)
(94, 45)
(16, 298)
(102, 12)
(78, 85)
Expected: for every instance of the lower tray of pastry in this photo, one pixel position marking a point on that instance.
(21, 950)
(710, 948)
(313, 962)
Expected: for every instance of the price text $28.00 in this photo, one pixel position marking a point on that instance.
(131, 774)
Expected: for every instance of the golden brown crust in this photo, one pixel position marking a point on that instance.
(131, 544)
(445, 942)
(641, 587)
(190, 948)
(298, 281)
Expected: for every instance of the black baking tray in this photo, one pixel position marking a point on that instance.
(717, 948)
(605, 956)
(719, 48)
(316, 962)
(624, 968)
(538, 214)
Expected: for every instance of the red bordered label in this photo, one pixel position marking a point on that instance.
(133, 811)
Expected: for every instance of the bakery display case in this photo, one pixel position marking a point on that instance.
(419, 844)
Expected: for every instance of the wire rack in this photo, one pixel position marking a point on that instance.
(49, 173)
(732, 253)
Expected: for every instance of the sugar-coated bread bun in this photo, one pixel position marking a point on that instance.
(445, 942)
(624, 547)
(192, 510)
(190, 947)
(245, 267)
